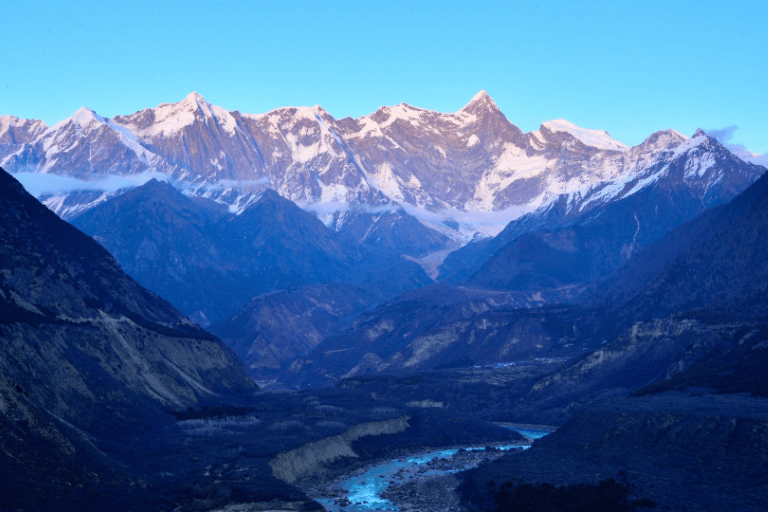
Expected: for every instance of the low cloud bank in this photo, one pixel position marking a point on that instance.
(39, 184)
(724, 135)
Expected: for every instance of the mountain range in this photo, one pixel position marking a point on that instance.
(293, 198)
(397, 263)
(461, 173)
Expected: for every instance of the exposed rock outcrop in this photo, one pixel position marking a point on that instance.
(292, 465)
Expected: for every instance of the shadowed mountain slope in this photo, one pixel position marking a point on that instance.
(689, 437)
(690, 308)
(210, 262)
(86, 352)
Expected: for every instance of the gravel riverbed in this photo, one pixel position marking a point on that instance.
(423, 482)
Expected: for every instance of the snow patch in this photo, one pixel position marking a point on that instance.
(599, 139)
(388, 182)
(697, 140)
(697, 166)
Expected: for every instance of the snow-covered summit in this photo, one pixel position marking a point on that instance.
(699, 137)
(480, 103)
(599, 139)
(86, 118)
(169, 118)
(18, 131)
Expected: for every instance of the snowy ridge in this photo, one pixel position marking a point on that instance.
(599, 139)
(169, 118)
(18, 131)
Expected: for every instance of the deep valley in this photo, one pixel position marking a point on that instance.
(291, 304)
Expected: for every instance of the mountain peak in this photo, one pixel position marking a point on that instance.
(700, 133)
(699, 138)
(157, 184)
(668, 139)
(84, 116)
(480, 100)
(32, 127)
(169, 118)
(270, 195)
(195, 101)
(155, 187)
(482, 95)
(194, 95)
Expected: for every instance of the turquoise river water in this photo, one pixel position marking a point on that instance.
(364, 489)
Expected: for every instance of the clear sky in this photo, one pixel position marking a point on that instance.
(630, 68)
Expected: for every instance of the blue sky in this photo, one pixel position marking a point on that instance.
(630, 68)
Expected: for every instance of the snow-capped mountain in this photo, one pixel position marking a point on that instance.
(15, 131)
(674, 179)
(459, 173)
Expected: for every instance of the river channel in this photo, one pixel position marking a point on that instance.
(417, 482)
